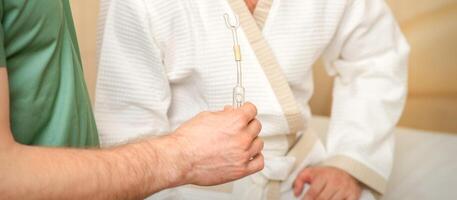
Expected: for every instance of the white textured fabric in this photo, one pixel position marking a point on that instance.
(424, 166)
(162, 62)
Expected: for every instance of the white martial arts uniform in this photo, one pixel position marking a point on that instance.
(162, 62)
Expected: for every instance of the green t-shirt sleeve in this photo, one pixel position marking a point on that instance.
(2, 38)
(2, 48)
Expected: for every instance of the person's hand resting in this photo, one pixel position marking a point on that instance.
(221, 146)
(327, 183)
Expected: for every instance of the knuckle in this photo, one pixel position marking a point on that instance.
(240, 121)
(254, 108)
(251, 106)
(245, 156)
(244, 118)
(306, 173)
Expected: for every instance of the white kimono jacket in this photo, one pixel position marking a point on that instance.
(162, 62)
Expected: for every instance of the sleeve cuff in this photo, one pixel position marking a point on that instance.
(373, 180)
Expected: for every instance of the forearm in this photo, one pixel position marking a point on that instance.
(132, 171)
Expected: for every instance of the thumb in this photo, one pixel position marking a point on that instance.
(305, 176)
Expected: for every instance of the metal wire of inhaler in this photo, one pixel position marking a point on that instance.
(238, 90)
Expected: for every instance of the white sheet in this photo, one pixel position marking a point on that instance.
(425, 166)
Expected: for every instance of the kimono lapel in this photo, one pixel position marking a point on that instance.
(299, 147)
(270, 67)
(261, 12)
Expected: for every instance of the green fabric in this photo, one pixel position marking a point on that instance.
(50, 105)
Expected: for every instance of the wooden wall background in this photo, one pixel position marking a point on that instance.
(431, 29)
(85, 14)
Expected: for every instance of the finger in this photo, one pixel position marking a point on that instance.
(256, 148)
(256, 164)
(249, 111)
(316, 188)
(299, 184)
(302, 178)
(339, 195)
(307, 174)
(328, 191)
(254, 128)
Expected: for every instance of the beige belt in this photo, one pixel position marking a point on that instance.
(300, 151)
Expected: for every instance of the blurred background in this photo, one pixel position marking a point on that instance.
(430, 27)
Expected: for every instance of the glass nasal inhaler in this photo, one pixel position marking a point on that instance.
(238, 90)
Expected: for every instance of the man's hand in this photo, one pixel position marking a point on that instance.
(213, 148)
(222, 146)
(327, 183)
